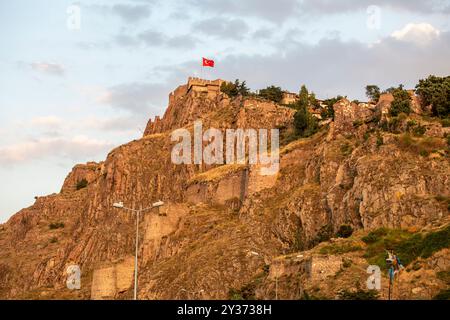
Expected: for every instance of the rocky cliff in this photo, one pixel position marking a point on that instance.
(223, 226)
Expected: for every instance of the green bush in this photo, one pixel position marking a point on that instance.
(401, 103)
(346, 149)
(328, 111)
(375, 235)
(445, 122)
(234, 294)
(359, 295)
(344, 231)
(235, 89)
(373, 92)
(82, 184)
(379, 140)
(272, 93)
(305, 124)
(419, 130)
(56, 225)
(443, 295)
(435, 91)
(407, 246)
(339, 248)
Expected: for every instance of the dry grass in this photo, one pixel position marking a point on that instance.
(218, 173)
(423, 146)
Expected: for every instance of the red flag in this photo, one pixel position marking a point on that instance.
(208, 63)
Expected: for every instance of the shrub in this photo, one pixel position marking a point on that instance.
(328, 111)
(54, 240)
(379, 140)
(435, 91)
(303, 98)
(344, 231)
(373, 92)
(401, 103)
(444, 276)
(324, 234)
(445, 122)
(407, 246)
(56, 225)
(374, 236)
(346, 149)
(234, 89)
(272, 93)
(423, 146)
(305, 124)
(419, 130)
(82, 184)
(442, 295)
(234, 294)
(359, 295)
(339, 248)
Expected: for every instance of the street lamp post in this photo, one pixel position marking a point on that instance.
(119, 205)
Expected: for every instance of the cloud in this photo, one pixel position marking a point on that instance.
(333, 66)
(53, 69)
(223, 28)
(131, 13)
(281, 10)
(136, 98)
(152, 38)
(46, 121)
(77, 148)
(120, 123)
(274, 11)
(421, 33)
(186, 41)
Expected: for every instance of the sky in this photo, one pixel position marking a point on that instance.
(80, 78)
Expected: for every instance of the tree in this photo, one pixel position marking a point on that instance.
(272, 93)
(313, 102)
(235, 89)
(401, 103)
(328, 111)
(242, 88)
(303, 97)
(373, 92)
(435, 91)
(305, 124)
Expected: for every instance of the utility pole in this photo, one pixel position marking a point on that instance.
(119, 205)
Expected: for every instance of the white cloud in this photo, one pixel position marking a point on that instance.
(76, 148)
(53, 69)
(420, 33)
(136, 98)
(46, 121)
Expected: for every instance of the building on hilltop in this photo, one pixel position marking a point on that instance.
(210, 87)
(289, 97)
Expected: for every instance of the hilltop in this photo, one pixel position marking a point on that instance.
(226, 231)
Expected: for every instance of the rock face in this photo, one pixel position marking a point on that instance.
(221, 224)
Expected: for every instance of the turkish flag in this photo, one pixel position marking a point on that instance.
(208, 63)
